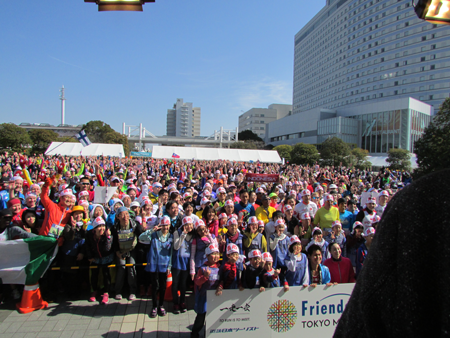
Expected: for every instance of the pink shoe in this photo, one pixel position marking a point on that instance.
(93, 296)
(105, 298)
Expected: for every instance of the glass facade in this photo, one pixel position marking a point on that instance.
(392, 129)
(344, 128)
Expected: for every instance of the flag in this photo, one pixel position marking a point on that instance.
(175, 155)
(25, 261)
(82, 137)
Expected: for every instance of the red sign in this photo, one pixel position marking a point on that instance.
(262, 178)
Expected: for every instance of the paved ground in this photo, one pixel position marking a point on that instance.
(81, 318)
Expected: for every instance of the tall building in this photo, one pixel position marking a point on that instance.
(369, 72)
(356, 51)
(256, 119)
(183, 120)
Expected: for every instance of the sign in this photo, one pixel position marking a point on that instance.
(140, 154)
(102, 195)
(300, 312)
(262, 177)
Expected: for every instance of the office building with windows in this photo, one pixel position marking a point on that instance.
(256, 119)
(183, 120)
(355, 53)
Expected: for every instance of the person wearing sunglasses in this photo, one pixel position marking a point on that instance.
(84, 185)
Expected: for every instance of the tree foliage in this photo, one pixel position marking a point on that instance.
(399, 159)
(243, 145)
(433, 148)
(101, 132)
(303, 153)
(41, 139)
(334, 151)
(358, 158)
(13, 137)
(248, 135)
(284, 150)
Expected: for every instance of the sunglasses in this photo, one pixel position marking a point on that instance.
(85, 183)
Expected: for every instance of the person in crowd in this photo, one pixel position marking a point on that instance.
(159, 262)
(279, 249)
(229, 273)
(354, 241)
(363, 250)
(182, 243)
(206, 278)
(125, 240)
(253, 239)
(346, 217)
(30, 221)
(318, 273)
(317, 239)
(98, 251)
(269, 229)
(337, 235)
(306, 205)
(326, 215)
(341, 269)
(201, 241)
(253, 270)
(211, 221)
(270, 276)
(367, 215)
(297, 273)
(265, 211)
(291, 222)
(243, 208)
(383, 198)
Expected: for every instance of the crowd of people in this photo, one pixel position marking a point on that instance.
(201, 222)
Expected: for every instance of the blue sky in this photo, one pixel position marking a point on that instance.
(225, 56)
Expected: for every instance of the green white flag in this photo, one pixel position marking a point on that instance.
(24, 261)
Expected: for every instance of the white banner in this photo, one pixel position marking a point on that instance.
(300, 312)
(103, 194)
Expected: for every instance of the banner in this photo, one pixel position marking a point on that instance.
(103, 194)
(262, 177)
(300, 312)
(140, 154)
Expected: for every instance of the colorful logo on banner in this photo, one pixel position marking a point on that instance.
(282, 316)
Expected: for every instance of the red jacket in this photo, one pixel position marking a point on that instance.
(340, 271)
(54, 213)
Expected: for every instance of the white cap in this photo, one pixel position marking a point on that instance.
(232, 220)
(223, 215)
(336, 223)
(287, 207)
(371, 200)
(66, 192)
(261, 224)
(83, 193)
(279, 221)
(165, 220)
(294, 239)
(369, 231)
(204, 200)
(333, 186)
(232, 248)
(317, 229)
(198, 224)
(221, 190)
(306, 192)
(329, 198)
(229, 202)
(211, 248)
(135, 204)
(384, 193)
(267, 257)
(187, 220)
(254, 253)
(98, 221)
(157, 185)
(252, 220)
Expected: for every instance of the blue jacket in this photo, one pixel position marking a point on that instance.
(325, 277)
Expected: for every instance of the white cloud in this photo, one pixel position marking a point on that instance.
(260, 94)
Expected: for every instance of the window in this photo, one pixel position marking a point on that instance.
(424, 38)
(395, 92)
(430, 97)
(433, 46)
(431, 87)
(396, 83)
(432, 67)
(422, 59)
(422, 69)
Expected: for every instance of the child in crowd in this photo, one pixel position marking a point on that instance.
(279, 248)
(223, 218)
(317, 238)
(364, 249)
(354, 241)
(337, 235)
(98, 251)
(297, 265)
(159, 262)
(253, 240)
(270, 277)
(202, 240)
(207, 278)
(230, 274)
(253, 270)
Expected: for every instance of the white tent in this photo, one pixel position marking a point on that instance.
(77, 149)
(213, 154)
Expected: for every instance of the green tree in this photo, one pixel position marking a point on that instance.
(13, 137)
(248, 135)
(243, 145)
(334, 151)
(41, 139)
(284, 150)
(101, 132)
(358, 158)
(399, 159)
(303, 154)
(433, 148)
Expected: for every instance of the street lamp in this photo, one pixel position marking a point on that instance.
(435, 11)
(120, 5)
